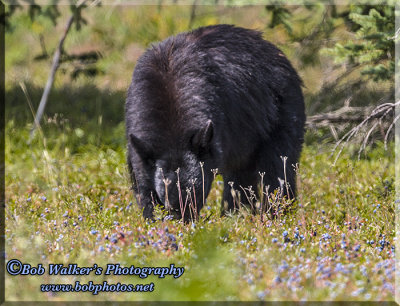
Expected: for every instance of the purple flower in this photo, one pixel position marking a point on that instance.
(277, 279)
(326, 236)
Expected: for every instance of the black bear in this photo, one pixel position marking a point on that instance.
(218, 97)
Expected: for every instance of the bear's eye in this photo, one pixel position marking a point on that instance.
(150, 161)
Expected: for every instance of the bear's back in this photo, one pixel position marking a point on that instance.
(224, 73)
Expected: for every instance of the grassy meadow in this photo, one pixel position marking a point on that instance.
(68, 196)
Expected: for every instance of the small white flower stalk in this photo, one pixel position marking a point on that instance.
(263, 201)
(202, 177)
(266, 202)
(167, 182)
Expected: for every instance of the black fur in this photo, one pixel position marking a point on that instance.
(220, 95)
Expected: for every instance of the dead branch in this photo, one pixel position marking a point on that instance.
(346, 114)
(375, 117)
(367, 118)
(192, 14)
(50, 80)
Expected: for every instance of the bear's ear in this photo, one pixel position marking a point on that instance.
(141, 148)
(201, 141)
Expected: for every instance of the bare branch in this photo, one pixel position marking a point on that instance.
(192, 14)
(50, 80)
(346, 114)
(377, 114)
(389, 129)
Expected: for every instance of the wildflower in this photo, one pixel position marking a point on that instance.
(326, 236)
(261, 295)
(277, 279)
(171, 237)
(284, 266)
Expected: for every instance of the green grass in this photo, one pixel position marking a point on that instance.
(64, 207)
(68, 197)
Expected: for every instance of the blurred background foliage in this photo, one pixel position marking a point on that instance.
(342, 52)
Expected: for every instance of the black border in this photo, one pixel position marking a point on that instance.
(206, 303)
(2, 154)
